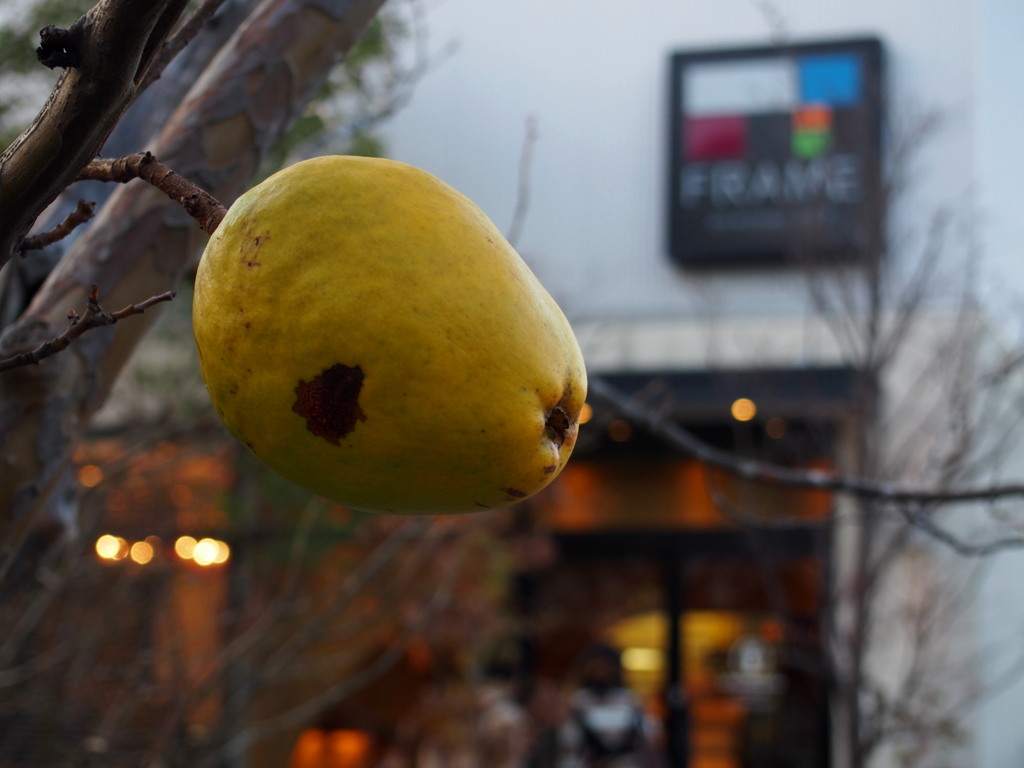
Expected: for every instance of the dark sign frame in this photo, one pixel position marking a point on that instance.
(785, 181)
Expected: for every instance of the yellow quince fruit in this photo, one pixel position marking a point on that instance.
(369, 334)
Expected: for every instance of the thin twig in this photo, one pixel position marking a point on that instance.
(369, 671)
(766, 472)
(515, 229)
(177, 42)
(200, 204)
(924, 522)
(94, 317)
(82, 213)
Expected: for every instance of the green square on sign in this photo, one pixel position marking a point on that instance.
(808, 144)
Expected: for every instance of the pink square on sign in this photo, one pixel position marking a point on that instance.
(715, 138)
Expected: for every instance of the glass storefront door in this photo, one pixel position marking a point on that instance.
(722, 649)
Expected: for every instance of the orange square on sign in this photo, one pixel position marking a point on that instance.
(814, 117)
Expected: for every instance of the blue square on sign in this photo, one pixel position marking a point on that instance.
(830, 78)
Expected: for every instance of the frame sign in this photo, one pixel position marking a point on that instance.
(775, 152)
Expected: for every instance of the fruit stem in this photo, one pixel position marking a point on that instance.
(557, 424)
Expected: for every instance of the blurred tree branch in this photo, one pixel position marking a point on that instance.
(811, 479)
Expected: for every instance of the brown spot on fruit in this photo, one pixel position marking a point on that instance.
(513, 493)
(550, 470)
(557, 424)
(330, 402)
(250, 249)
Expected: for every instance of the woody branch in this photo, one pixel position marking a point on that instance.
(200, 204)
(93, 317)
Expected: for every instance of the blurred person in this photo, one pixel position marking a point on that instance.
(503, 728)
(606, 726)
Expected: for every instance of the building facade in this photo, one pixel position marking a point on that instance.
(661, 155)
(763, 220)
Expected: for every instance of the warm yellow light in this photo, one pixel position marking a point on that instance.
(642, 659)
(348, 748)
(223, 552)
(141, 552)
(90, 475)
(743, 409)
(586, 413)
(111, 547)
(205, 552)
(184, 547)
(620, 430)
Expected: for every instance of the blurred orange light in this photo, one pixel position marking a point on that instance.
(90, 475)
(337, 749)
(349, 749)
(223, 552)
(586, 413)
(205, 552)
(141, 552)
(184, 547)
(743, 409)
(110, 547)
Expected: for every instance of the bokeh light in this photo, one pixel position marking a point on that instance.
(586, 413)
(743, 409)
(90, 475)
(110, 547)
(141, 552)
(184, 547)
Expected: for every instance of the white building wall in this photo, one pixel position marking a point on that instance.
(999, 149)
(593, 75)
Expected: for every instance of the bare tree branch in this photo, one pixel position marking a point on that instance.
(181, 38)
(301, 712)
(813, 479)
(94, 317)
(82, 213)
(923, 521)
(200, 205)
(515, 229)
(111, 48)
